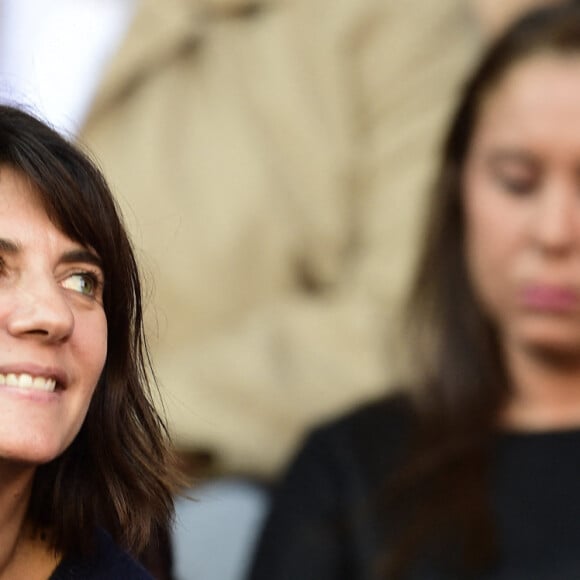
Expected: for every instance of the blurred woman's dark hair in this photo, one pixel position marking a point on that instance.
(119, 471)
(462, 380)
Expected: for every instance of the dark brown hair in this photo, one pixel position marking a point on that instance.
(118, 473)
(463, 382)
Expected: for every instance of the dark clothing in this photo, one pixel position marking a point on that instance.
(109, 562)
(323, 527)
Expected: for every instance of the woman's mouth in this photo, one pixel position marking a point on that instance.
(550, 298)
(28, 381)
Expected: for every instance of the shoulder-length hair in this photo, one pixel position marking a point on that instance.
(462, 380)
(119, 472)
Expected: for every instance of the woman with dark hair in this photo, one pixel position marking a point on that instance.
(86, 469)
(475, 472)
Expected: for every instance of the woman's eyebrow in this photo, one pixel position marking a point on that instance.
(9, 246)
(77, 255)
(80, 255)
(505, 155)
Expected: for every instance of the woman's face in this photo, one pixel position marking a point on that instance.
(522, 205)
(53, 329)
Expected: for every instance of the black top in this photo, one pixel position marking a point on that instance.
(108, 562)
(321, 527)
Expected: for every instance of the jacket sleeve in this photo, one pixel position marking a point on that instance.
(255, 386)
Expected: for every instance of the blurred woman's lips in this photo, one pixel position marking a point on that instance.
(550, 298)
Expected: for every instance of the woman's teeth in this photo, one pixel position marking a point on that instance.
(26, 381)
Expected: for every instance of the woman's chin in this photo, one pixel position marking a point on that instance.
(561, 350)
(28, 453)
(552, 338)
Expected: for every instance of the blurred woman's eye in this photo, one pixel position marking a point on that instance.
(85, 283)
(516, 172)
(516, 184)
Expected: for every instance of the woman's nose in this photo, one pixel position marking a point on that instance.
(41, 311)
(556, 226)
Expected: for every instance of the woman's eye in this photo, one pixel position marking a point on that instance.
(516, 184)
(84, 283)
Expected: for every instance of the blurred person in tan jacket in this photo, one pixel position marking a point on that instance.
(270, 157)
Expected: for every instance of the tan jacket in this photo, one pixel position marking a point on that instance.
(271, 157)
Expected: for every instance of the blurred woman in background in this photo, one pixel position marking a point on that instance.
(474, 473)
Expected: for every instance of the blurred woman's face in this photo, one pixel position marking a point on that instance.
(53, 329)
(522, 206)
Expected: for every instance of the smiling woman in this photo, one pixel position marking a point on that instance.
(55, 335)
(85, 462)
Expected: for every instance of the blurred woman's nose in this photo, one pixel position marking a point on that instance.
(41, 310)
(556, 224)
